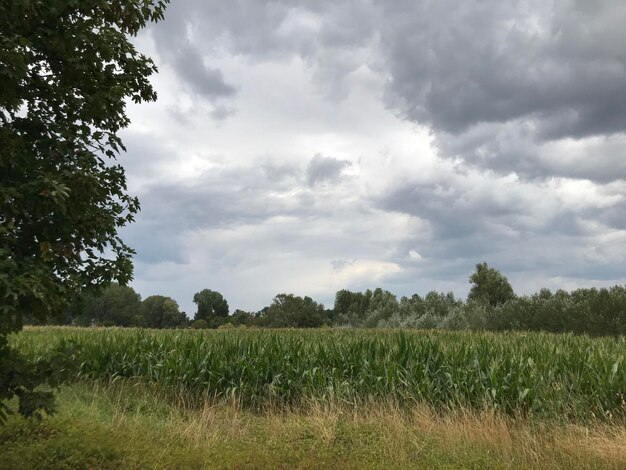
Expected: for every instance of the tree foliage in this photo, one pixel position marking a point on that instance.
(199, 324)
(241, 318)
(114, 306)
(381, 306)
(351, 307)
(288, 310)
(212, 307)
(67, 69)
(489, 286)
(162, 312)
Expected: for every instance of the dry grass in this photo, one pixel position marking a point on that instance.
(125, 426)
(401, 437)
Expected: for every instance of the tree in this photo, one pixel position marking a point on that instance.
(344, 301)
(290, 311)
(241, 317)
(212, 307)
(162, 312)
(489, 286)
(439, 304)
(114, 306)
(382, 305)
(351, 307)
(67, 69)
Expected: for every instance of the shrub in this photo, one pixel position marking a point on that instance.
(199, 324)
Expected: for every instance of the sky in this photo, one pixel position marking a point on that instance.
(309, 146)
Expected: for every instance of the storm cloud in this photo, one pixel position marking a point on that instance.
(515, 86)
(311, 146)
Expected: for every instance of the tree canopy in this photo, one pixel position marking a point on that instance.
(212, 307)
(490, 286)
(159, 311)
(114, 306)
(67, 69)
(288, 310)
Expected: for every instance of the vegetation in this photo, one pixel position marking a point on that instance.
(212, 308)
(310, 398)
(67, 71)
(518, 374)
(123, 425)
(117, 305)
(288, 310)
(489, 286)
(596, 312)
(162, 312)
(68, 68)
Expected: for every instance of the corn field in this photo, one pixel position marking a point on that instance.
(533, 373)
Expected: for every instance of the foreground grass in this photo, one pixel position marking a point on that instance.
(136, 426)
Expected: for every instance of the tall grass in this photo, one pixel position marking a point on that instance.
(545, 374)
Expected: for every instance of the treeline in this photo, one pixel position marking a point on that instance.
(122, 306)
(491, 305)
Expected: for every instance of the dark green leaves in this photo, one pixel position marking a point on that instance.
(67, 68)
(489, 286)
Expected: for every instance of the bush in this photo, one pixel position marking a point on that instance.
(472, 316)
(428, 321)
(199, 324)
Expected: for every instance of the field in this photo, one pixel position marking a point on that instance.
(370, 397)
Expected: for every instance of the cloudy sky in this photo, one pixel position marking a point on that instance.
(308, 146)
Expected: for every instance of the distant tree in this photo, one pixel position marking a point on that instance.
(351, 307)
(382, 305)
(489, 286)
(290, 311)
(212, 307)
(162, 312)
(260, 317)
(344, 300)
(241, 317)
(199, 324)
(439, 304)
(114, 306)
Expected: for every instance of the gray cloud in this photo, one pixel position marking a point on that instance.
(512, 147)
(330, 36)
(324, 169)
(526, 108)
(177, 48)
(497, 61)
(205, 81)
(496, 80)
(521, 227)
(224, 196)
(339, 264)
(221, 112)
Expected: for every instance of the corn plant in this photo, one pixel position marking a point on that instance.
(518, 373)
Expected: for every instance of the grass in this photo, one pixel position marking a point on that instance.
(125, 425)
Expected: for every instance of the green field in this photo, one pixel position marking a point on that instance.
(349, 396)
(560, 375)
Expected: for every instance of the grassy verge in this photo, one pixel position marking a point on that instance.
(130, 426)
